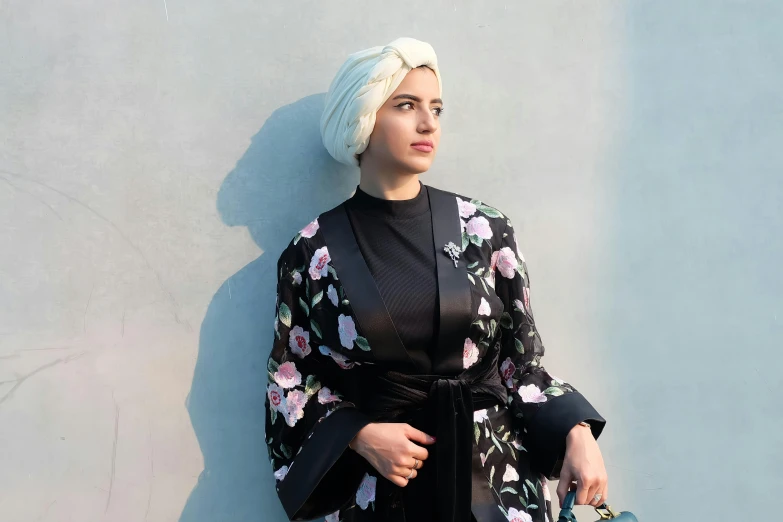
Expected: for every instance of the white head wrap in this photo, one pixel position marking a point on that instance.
(360, 88)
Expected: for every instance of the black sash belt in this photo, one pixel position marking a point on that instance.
(451, 401)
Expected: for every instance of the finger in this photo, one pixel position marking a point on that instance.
(419, 452)
(397, 480)
(600, 489)
(582, 489)
(418, 436)
(562, 488)
(594, 490)
(404, 471)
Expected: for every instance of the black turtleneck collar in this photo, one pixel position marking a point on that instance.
(390, 208)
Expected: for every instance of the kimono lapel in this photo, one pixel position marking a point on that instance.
(454, 297)
(355, 276)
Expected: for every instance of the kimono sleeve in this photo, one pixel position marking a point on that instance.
(547, 406)
(308, 424)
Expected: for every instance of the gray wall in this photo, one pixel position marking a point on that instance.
(156, 156)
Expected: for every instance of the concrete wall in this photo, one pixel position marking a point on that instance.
(155, 156)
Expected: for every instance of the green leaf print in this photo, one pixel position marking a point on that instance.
(273, 415)
(315, 328)
(331, 270)
(509, 489)
(506, 321)
(522, 501)
(285, 450)
(496, 442)
(465, 240)
(476, 432)
(553, 391)
(520, 347)
(362, 343)
(489, 211)
(473, 265)
(304, 307)
(471, 279)
(346, 302)
(317, 298)
(491, 474)
(532, 487)
(284, 314)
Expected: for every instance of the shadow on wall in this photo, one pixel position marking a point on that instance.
(282, 182)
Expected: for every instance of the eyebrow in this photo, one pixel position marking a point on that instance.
(415, 98)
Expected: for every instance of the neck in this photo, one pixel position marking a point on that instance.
(388, 186)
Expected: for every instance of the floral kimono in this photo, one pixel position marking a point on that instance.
(337, 363)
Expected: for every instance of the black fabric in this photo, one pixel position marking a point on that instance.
(395, 239)
(450, 404)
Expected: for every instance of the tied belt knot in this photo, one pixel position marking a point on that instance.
(451, 401)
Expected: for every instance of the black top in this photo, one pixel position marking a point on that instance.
(395, 239)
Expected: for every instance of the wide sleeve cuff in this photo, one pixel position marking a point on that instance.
(548, 429)
(323, 475)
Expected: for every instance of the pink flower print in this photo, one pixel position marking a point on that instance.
(366, 492)
(319, 264)
(507, 262)
(347, 330)
(299, 341)
(514, 515)
(281, 473)
(469, 353)
(331, 293)
(520, 305)
(326, 396)
(479, 226)
(507, 370)
(531, 393)
(294, 406)
(545, 488)
(483, 458)
(466, 208)
(484, 308)
(310, 229)
(341, 360)
(526, 297)
(334, 517)
(511, 474)
(480, 415)
(287, 375)
(276, 399)
(297, 278)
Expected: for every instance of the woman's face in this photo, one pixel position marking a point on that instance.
(410, 115)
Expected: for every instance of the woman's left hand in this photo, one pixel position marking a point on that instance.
(583, 464)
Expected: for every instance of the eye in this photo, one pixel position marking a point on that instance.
(406, 103)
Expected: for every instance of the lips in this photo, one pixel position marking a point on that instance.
(423, 146)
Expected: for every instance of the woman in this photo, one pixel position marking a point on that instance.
(405, 380)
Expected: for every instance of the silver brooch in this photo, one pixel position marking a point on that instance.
(453, 251)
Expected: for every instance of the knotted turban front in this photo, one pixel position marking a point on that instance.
(362, 85)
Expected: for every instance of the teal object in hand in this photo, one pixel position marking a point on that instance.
(567, 514)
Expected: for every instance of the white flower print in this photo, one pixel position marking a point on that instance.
(331, 293)
(299, 341)
(319, 264)
(514, 515)
(281, 473)
(294, 406)
(310, 229)
(297, 278)
(276, 398)
(334, 517)
(479, 226)
(507, 262)
(287, 376)
(366, 492)
(469, 353)
(326, 396)
(511, 474)
(466, 208)
(480, 415)
(526, 297)
(531, 393)
(507, 370)
(519, 305)
(341, 360)
(484, 308)
(347, 330)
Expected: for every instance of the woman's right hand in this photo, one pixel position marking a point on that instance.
(391, 449)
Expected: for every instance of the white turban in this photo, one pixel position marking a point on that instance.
(360, 88)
